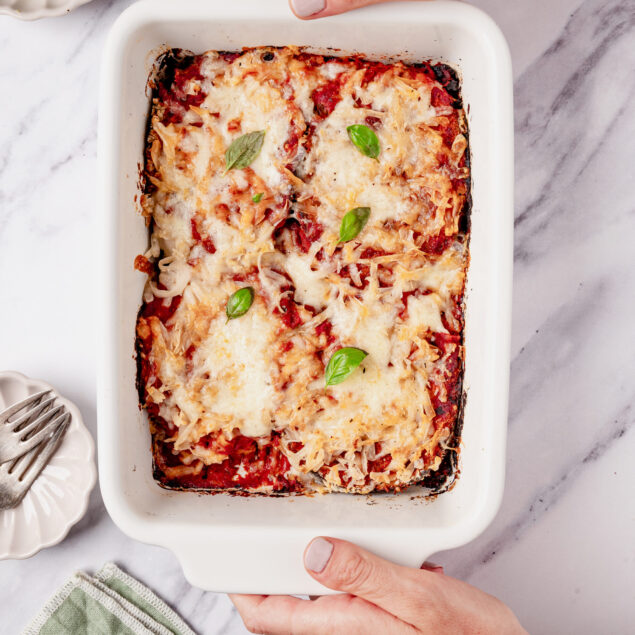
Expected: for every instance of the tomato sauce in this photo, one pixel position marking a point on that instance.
(436, 245)
(380, 464)
(305, 232)
(262, 466)
(206, 241)
(289, 314)
(291, 144)
(373, 71)
(157, 307)
(178, 72)
(326, 97)
(142, 264)
(373, 122)
(440, 97)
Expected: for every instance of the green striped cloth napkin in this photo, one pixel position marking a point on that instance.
(108, 603)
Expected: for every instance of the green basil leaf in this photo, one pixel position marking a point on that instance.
(342, 364)
(353, 223)
(244, 150)
(239, 303)
(256, 198)
(364, 139)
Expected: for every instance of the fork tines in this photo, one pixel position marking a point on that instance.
(30, 432)
(28, 423)
(17, 476)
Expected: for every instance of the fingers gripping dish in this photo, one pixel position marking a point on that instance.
(301, 327)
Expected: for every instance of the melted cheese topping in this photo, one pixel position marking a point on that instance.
(311, 287)
(238, 379)
(382, 292)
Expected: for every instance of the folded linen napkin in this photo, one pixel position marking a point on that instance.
(109, 603)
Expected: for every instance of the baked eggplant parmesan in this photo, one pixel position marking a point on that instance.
(302, 320)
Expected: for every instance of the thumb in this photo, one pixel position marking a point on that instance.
(345, 567)
(321, 8)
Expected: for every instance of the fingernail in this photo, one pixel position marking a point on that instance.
(432, 566)
(305, 8)
(318, 554)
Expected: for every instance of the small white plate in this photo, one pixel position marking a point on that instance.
(35, 9)
(59, 496)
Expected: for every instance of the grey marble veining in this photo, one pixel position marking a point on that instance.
(561, 551)
(573, 360)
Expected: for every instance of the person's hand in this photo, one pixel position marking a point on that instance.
(309, 9)
(378, 597)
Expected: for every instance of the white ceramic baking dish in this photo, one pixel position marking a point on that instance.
(255, 545)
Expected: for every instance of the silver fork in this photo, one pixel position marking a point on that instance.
(27, 423)
(17, 475)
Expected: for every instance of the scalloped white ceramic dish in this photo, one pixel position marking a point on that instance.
(255, 544)
(35, 9)
(59, 496)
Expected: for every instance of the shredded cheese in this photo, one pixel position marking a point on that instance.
(394, 291)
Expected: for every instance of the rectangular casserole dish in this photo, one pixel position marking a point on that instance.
(254, 545)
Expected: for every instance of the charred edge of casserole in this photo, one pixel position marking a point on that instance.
(166, 65)
(434, 481)
(172, 60)
(444, 478)
(141, 389)
(140, 360)
(162, 73)
(268, 467)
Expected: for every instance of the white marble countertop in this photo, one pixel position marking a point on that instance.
(562, 550)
